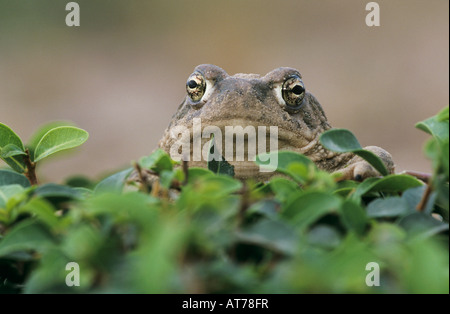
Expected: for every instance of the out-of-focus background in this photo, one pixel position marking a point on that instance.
(121, 74)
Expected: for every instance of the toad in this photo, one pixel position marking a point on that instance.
(279, 99)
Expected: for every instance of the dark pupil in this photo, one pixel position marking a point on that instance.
(192, 84)
(298, 90)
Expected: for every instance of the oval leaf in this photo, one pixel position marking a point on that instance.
(324, 236)
(290, 163)
(36, 137)
(388, 207)
(437, 127)
(271, 234)
(354, 217)
(58, 139)
(159, 160)
(340, 141)
(7, 192)
(422, 225)
(17, 163)
(8, 177)
(343, 141)
(395, 183)
(308, 207)
(50, 190)
(443, 114)
(195, 173)
(373, 159)
(26, 236)
(390, 184)
(7, 137)
(10, 150)
(113, 183)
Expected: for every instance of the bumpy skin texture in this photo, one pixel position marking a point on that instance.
(252, 100)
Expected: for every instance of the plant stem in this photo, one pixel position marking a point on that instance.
(30, 172)
(143, 177)
(425, 177)
(423, 202)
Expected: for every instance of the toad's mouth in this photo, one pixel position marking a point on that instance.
(237, 140)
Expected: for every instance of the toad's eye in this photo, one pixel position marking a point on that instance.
(293, 92)
(196, 86)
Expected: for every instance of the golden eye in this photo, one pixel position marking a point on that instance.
(293, 92)
(196, 86)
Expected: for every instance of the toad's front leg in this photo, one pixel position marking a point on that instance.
(358, 169)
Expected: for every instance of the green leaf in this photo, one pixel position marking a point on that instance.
(113, 183)
(389, 207)
(156, 259)
(444, 158)
(42, 210)
(324, 236)
(58, 139)
(283, 188)
(17, 163)
(219, 185)
(284, 160)
(37, 135)
(217, 163)
(422, 225)
(158, 161)
(26, 236)
(308, 207)
(437, 128)
(438, 152)
(7, 192)
(166, 177)
(413, 197)
(295, 165)
(7, 137)
(271, 234)
(373, 160)
(343, 141)
(11, 150)
(82, 242)
(354, 217)
(51, 190)
(346, 187)
(195, 173)
(443, 114)
(266, 208)
(426, 269)
(80, 181)
(437, 149)
(340, 141)
(391, 184)
(213, 191)
(125, 207)
(8, 177)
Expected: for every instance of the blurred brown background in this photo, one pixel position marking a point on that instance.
(122, 73)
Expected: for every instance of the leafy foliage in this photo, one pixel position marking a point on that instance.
(202, 231)
(48, 140)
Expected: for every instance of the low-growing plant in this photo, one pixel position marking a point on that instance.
(48, 140)
(194, 230)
